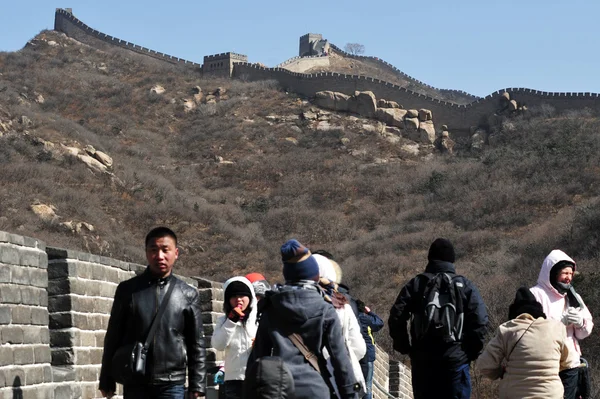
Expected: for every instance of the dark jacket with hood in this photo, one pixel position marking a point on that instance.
(369, 323)
(303, 310)
(449, 355)
(179, 338)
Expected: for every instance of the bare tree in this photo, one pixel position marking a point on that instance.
(354, 48)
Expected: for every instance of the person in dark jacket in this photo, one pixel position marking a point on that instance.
(299, 307)
(439, 369)
(369, 323)
(179, 338)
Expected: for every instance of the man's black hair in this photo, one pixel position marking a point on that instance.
(159, 232)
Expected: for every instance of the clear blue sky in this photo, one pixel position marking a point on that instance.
(474, 45)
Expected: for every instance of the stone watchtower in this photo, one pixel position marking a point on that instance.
(313, 44)
(306, 43)
(221, 64)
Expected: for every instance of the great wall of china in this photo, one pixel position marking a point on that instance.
(460, 118)
(54, 310)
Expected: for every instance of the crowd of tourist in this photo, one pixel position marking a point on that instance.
(310, 338)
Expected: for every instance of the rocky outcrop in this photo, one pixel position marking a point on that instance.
(157, 89)
(416, 124)
(391, 116)
(45, 212)
(332, 100)
(444, 143)
(363, 103)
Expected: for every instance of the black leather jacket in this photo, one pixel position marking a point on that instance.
(179, 338)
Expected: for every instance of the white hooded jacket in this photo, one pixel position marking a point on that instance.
(236, 338)
(556, 306)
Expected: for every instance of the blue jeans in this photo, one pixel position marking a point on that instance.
(570, 379)
(431, 382)
(367, 370)
(167, 391)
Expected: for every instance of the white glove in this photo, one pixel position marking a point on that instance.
(574, 317)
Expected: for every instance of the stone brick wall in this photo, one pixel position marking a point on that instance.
(66, 22)
(25, 369)
(81, 288)
(381, 374)
(400, 381)
(211, 297)
(301, 64)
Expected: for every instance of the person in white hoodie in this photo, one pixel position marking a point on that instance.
(560, 302)
(234, 333)
(330, 277)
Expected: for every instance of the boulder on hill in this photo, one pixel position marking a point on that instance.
(44, 212)
(363, 103)
(158, 89)
(412, 113)
(391, 116)
(411, 122)
(427, 132)
(444, 143)
(92, 163)
(332, 100)
(387, 104)
(425, 115)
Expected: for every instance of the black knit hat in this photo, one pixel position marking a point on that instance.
(441, 249)
(237, 288)
(525, 302)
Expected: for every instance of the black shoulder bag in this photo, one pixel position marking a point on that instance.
(129, 361)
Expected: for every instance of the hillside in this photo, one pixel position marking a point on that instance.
(238, 176)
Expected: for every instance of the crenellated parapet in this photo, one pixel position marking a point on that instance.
(459, 118)
(392, 68)
(66, 22)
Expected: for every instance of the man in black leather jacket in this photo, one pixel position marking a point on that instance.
(179, 339)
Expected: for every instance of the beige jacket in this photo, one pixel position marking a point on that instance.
(532, 368)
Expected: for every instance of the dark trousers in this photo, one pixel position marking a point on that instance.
(233, 389)
(431, 382)
(570, 379)
(167, 391)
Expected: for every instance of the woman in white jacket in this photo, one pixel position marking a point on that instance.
(234, 333)
(330, 277)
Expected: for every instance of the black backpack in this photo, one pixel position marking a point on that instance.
(439, 316)
(269, 378)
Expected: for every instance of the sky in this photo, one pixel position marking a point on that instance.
(477, 46)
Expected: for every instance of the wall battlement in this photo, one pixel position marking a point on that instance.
(66, 22)
(220, 56)
(54, 309)
(459, 118)
(391, 67)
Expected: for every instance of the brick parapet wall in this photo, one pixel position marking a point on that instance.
(381, 373)
(25, 355)
(459, 118)
(400, 380)
(211, 299)
(386, 65)
(66, 22)
(81, 288)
